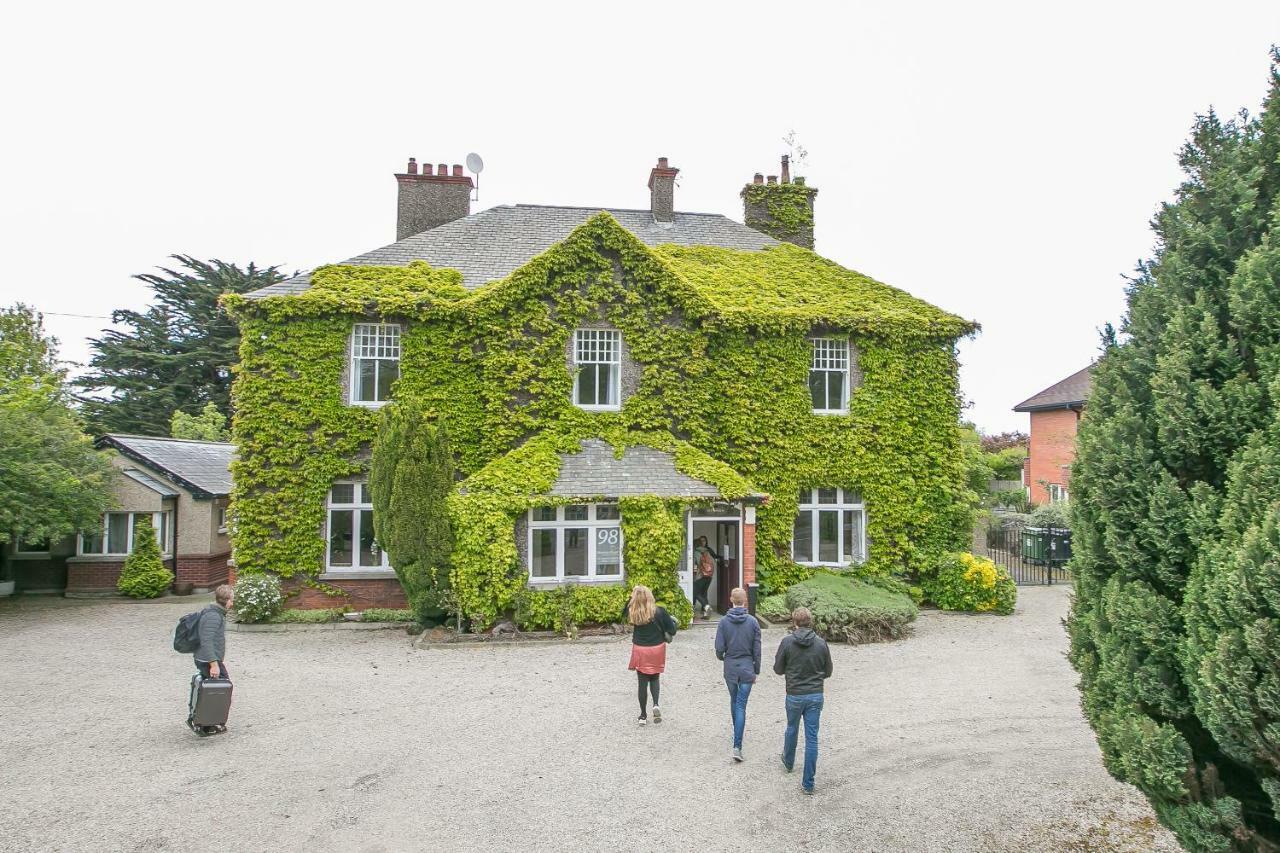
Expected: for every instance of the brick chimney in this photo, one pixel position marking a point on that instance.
(430, 198)
(782, 209)
(662, 191)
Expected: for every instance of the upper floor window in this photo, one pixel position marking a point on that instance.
(829, 376)
(581, 541)
(115, 536)
(1058, 493)
(375, 362)
(830, 528)
(350, 530)
(597, 360)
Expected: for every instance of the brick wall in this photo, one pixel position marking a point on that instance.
(359, 594)
(206, 571)
(1053, 449)
(96, 576)
(748, 554)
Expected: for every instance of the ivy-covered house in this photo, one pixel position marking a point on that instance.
(615, 384)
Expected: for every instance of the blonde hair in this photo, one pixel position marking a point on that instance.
(642, 608)
(738, 597)
(223, 594)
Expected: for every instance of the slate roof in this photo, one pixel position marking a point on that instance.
(162, 489)
(1070, 392)
(201, 467)
(491, 244)
(597, 472)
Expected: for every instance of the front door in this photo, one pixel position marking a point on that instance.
(724, 537)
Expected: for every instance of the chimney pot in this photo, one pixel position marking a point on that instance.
(662, 162)
(442, 169)
(457, 170)
(426, 168)
(758, 179)
(773, 179)
(786, 168)
(413, 166)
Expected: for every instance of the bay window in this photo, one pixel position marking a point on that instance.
(830, 528)
(579, 541)
(115, 535)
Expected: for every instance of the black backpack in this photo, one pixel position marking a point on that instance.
(186, 637)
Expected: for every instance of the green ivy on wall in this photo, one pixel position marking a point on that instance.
(789, 207)
(721, 337)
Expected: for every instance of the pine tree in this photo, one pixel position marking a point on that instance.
(144, 574)
(176, 356)
(1176, 503)
(411, 475)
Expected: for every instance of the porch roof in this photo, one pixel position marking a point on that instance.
(597, 471)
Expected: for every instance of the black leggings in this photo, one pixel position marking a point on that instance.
(651, 681)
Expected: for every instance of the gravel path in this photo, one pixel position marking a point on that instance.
(967, 736)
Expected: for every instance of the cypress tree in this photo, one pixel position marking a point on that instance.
(410, 477)
(1176, 502)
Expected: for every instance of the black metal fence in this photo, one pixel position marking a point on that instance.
(1031, 555)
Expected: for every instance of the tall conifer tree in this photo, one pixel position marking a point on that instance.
(1176, 502)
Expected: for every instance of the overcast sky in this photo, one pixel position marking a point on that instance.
(1000, 160)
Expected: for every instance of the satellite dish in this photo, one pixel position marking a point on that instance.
(475, 164)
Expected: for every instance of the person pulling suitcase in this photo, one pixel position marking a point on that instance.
(211, 687)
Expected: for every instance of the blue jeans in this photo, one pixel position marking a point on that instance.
(739, 693)
(808, 706)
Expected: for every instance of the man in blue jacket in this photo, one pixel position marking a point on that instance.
(738, 645)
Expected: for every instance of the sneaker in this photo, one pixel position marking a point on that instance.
(785, 766)
(737, 753)
(643, 720)
(706, 611)
(808, 791)
(657, 714)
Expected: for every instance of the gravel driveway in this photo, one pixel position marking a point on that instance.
(967, 736)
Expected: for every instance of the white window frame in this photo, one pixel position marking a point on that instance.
(377, 342)
(1058, 493)
(560, 524)
(827, 357)
(587, 344)
(358, 509)
(844, 503)
(159, 520)
(223, 516)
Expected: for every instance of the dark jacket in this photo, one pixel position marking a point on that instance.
(738, 645)
(654, 632)
(213, 634)
(803, 657)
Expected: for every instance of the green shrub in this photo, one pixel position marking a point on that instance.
(965, 582)
(144, 574)
(774, 608)
(1051, 515)
(304, 617)
(258, 598)
(386, 614)
(849, 610)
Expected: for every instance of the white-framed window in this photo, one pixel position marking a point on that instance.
(830, 528)
(580, 541)
(375, 362)
(829, 376)
(115, 537)
(597, 362)
(1058, 493)
(23, 546)
(222, 519)
(349, 530)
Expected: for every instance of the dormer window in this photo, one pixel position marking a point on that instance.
(829, 376)
(375, 362)
(597, 362)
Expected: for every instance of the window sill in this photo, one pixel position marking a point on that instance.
(556, 583)
(850, 566)
(598, 408)
(365, 405)
(107, 558)
(830, 412)
(356, 574)
(31, 555)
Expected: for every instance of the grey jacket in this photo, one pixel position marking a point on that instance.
(213, 634)
(738, 645)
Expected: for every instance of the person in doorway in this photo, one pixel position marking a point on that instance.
(652, 629)
(803, 657)
(213, 641)
(738, 645)
(704, 569)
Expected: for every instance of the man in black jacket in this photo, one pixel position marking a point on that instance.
(803, 657)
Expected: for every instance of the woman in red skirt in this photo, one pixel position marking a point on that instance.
(652, 627)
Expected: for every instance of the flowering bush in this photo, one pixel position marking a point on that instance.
(966, 582)
(258, 597)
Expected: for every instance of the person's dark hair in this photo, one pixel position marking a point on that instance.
(223, 594)
(801, 617)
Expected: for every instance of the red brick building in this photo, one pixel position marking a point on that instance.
(1055, 417)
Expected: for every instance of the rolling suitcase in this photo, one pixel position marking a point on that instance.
(210, 701)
